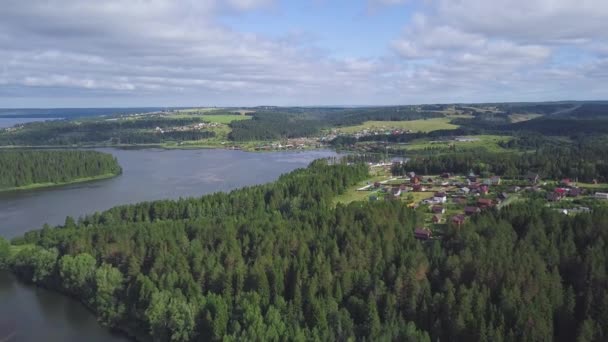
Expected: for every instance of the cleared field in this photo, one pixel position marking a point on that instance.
(523, 117)
(428, 125)
(225, 119)
(488, 142)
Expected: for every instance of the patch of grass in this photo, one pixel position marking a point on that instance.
(488, 142)
(597, 186)
(427, 125)
(351, 194)
(225, 119)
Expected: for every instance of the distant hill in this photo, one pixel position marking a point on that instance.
(69, 113)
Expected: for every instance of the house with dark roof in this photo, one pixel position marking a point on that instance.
(422, 233)
(458, 219)
(484, 203)
(438, 209)
(484, 189)
(471, 211)
(532, 177)
(418, 187)
(575, 192)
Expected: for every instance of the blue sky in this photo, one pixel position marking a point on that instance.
(112, 53)
(344, 29)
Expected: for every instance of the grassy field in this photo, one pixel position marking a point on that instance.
(48, 185)
(225, 119)
(414, 125)
(489, 142)
(353, 195)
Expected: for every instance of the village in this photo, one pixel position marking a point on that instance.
(449, 200)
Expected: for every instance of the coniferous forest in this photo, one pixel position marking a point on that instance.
(27, 167)
(281, 262)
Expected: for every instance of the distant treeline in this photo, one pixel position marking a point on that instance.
(22, 168)
(64, 132)
(586, 161)
(271, 126)
(357, 116)
(279, 262)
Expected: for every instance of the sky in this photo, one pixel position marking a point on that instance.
(133, 53)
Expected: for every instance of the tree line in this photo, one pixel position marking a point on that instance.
(25, 167)
(279, 262)
(70, 132)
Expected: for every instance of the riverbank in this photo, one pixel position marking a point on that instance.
(53, 185)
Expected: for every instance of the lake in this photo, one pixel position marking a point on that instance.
(35, 314)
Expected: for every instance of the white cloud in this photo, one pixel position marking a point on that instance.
(177, 52)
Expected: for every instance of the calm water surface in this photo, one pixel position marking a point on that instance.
(33, 314)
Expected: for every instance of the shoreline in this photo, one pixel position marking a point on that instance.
(37, 186)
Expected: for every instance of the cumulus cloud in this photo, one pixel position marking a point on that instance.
(509, 49)
(177, 52)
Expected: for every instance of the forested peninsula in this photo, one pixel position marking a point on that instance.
(283, 262)
(28, 169)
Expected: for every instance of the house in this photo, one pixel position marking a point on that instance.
(472, 178)
(415, 180)
(566, 182)
(460, 200)
(396, 191)
(575, 192)
(377, 184)
(429, 180)
(601, 195)
(553, 197)
(532, 177)
(422, 233)
(411, 174)
(464, 190)
(495, 180)
(437, 209)
(440, 197)
(446, 175)
(419, 187)
(484, 189)
(514, 189)
(503, 196)
(485, 203)
(471, 211)
(561, 192)
(436, 218)
(458, 219)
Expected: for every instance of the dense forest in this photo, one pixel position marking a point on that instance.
(280, 262)
(270, 126)
(587, 161)
(90, 132)
(26, 167)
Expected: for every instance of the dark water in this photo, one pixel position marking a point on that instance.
(39, 315)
